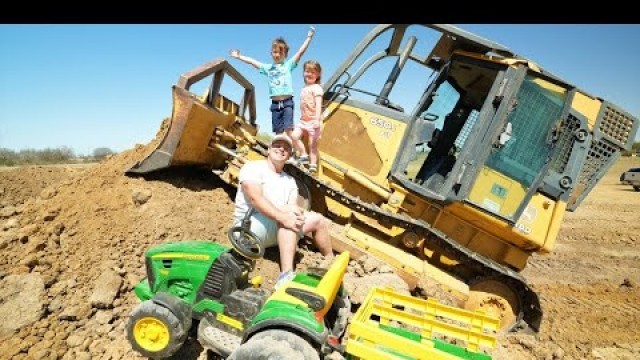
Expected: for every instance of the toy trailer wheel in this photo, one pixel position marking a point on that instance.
(154, 331)
(275, 344)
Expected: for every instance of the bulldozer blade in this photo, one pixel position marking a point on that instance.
(194, 133)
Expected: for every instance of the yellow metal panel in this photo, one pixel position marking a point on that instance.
(489, 246)
(530, 231)
(500, 230)
(386, 229)
(516, 257)
(550, 86)
(482, 195)
(536, 218)
(337, 208)
(385, 135)
(454, 228)
(556, 221)
(587, 106)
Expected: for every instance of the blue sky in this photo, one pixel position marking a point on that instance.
(89, 86)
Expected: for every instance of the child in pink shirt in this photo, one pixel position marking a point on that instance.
(310, 118)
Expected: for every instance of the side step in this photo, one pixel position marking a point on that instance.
(217, 340)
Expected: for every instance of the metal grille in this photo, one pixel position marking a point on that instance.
(599, 155)
(564, 144)
(524, 155)
(531, 121)
(616, 125)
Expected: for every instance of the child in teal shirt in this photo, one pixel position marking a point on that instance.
(280, 81)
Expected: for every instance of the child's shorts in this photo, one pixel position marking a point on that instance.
(281, 115)
(307, 127)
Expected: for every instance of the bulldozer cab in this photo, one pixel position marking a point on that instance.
(489, 150)
(482, 127)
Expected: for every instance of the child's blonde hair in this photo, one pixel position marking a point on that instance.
(281, 44)
(315, 66)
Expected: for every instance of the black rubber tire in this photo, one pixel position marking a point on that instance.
(636, 187)
(175, 326)
(275, 344)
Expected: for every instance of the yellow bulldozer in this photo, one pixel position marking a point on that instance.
(462, 188)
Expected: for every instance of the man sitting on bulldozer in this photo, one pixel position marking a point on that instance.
(267, 197)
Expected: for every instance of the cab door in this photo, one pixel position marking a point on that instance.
(513, 155)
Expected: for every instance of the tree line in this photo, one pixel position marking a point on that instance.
(46, 156)
(66, 155)
(635, 149)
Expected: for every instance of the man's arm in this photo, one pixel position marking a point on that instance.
(287, 218)
(305, 45)
(251, 61)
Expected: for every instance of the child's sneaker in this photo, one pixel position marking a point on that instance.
(313, 168)
(304, 159)
(284, 278)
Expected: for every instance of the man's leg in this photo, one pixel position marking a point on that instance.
(319, 225)
(287, 242)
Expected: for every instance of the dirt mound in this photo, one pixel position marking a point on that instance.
(92, 222)
(77, 236)
(72, 242)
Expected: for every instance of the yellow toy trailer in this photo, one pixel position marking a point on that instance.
(390, 325)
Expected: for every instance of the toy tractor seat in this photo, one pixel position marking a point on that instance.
(318, 298)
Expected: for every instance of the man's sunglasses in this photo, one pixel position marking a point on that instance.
(279, 145)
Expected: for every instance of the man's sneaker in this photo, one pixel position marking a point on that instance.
(304, 159)
(284, 278)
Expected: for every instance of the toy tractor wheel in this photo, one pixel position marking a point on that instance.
(275, 344)
(154, 331)
(497, 299)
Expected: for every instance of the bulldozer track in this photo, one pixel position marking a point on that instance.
(483, 268)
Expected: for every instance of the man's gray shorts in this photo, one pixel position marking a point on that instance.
(265, 228)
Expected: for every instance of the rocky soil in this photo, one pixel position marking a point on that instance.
(72, 241)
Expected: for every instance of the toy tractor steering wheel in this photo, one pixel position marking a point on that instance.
(244, 241)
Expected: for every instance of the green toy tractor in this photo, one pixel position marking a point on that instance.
(209, 282)
(305, 318)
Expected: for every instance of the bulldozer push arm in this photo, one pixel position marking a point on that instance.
(462, 189)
